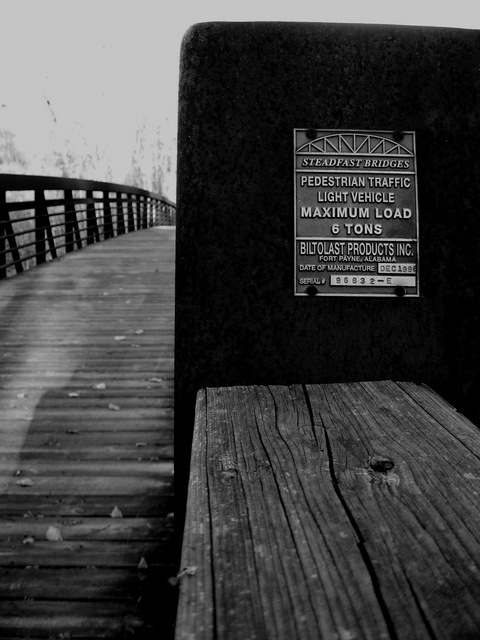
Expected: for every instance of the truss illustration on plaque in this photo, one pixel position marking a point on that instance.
(354, 144)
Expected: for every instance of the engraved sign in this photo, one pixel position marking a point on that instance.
(356, 213)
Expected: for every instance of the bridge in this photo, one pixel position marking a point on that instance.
(86, 422)
(326, 454)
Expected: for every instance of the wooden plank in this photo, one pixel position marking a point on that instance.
(331, 511)
(78, 619)
(142, 389)
(64, 506)
(71, 485)
(81, 403)
(89, 451)
(290, 572)
(81, 423)
(119, 381)
(154, 469)
(70, 439)
(86, 553)
(86, 528)
(66, 584)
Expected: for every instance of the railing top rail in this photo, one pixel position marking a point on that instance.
(15, 182)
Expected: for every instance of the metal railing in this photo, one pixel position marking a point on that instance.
(42, 218)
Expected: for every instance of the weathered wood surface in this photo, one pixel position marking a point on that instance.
(86, 425)
(339, 511)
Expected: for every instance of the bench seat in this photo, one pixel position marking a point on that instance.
(338, 511)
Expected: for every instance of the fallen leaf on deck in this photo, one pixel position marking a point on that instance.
(25, 482)
(100, 385)
(113, 407)
(73, 394)
(186, 571)
(140, 444)
(157, 380)
(28, 540)
(116, 513)
(53, 534)
(120, 338)
(138, 332)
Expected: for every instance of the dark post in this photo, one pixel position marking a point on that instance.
(9, 235)
(138, 213)
(72, 232)
(107, 217)
(244, 89)
(131, 215)
(143, 212)
(153, 211)
(148, 205)
(41, 221)
(3, 234)
(120, 215)
(93, 234)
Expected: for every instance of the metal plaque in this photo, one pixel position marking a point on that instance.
(356, 213)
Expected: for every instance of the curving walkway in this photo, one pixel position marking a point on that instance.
(86, 443)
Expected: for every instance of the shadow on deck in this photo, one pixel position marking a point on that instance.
(86, 450)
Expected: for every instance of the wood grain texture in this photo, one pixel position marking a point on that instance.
(341, 511)
(86, 425)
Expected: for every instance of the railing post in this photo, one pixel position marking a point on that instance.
(3, 235)
(72, 232)
(141, 212)
(43, 229)
(120, 214)
(131, 218)
(93, 234)
(145, 200)
(10, 236)
(151, 211)
(137, 213)
(107, 217)
(138, 221)
(154, 211)
(41, 218)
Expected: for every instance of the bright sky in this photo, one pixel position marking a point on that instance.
(104, 65)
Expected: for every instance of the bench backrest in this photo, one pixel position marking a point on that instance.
(244, 88)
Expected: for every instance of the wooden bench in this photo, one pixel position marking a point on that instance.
(336, 512)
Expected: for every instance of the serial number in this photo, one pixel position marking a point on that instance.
(372, 281)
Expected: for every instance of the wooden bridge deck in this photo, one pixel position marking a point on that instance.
(86, 443)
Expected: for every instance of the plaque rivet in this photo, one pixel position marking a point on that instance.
(311, 290)
(398, 135)
(400, 291)
(311, 133)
